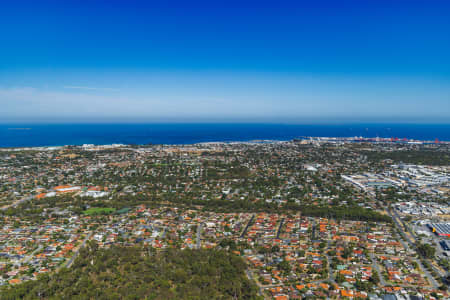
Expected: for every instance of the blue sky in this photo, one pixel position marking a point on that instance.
(226, 61)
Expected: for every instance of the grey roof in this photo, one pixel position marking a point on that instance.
(441, 227)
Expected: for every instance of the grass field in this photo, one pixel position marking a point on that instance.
(99, 211)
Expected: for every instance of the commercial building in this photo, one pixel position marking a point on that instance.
(440, 229)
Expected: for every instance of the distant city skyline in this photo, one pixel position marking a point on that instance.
(265, 62)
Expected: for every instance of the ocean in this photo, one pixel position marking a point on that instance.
(34, 135)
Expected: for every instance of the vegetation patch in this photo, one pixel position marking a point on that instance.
(142, 273)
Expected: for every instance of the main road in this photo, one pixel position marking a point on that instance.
(409, 246)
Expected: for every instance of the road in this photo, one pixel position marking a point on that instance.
(199, 233)
(17, 202)
(279, 228)
(433, 262)
(410, 245)
(27, 258)
(376, 267)
(330, 271)
(400, 227)
(246, 227)
(407, 227)
(250, 277)
(313, 230)
(72, 259)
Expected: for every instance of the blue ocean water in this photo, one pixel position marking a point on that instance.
(32, 135)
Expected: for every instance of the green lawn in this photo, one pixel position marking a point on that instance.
(99, 210)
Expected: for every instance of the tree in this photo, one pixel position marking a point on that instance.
(131, 273)
(284, 266)
(426, 250)
(375, 278)
(340, 278)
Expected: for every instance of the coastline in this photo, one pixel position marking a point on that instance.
(300, 140)
(57, 135)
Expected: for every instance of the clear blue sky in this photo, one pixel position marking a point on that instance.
(243, 61)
